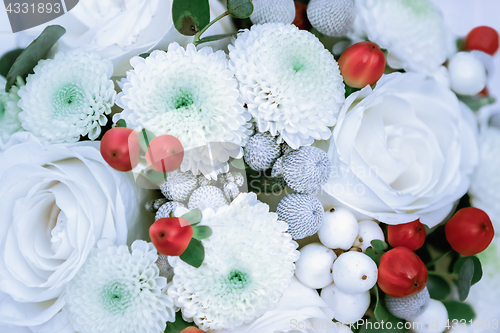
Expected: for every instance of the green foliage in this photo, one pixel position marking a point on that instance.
(36, 51)
(194, 254)
(201, 232)
(7, 60)
(121, 123)
(145, 138)
(459, 311)
(193, 217)
(190, 16)
(377, 249)
(438, 287)
(240, 8)
(464, 268)
(178, 325)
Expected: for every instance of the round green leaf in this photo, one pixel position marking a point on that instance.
(7, 60)
(190, 16)
(201, 232)
(459, 311)
(240, 8)
(36, 51)
(438, 287)
(464, 268)
(194, 254)
(194, 216)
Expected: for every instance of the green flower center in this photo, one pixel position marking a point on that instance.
(68, 99)
(418, 7)
(183, 99)
(116, 297)
(237, 279)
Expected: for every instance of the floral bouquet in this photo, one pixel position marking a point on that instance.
(251, 166)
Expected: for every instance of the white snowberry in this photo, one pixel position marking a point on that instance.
(467, 74)
(368, 231)
(433, 320)
(339, 229)
(314, 267)
(354, 272)
(346, 308)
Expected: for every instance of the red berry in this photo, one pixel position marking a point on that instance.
(411, 235)
(301, 21)
(120, 148)
(192, 329)
(171, 235)
(165, 153)
(482, 38)
(401, 272)
(469, 231)
(362, 64)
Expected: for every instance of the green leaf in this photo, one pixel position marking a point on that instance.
(438, 287)
(201, 232)
(476, 102)
(121, 123)
(36, 51)
(145, 55)
(190, 16)
(194, 254)
(478, 270)
(464, 268)
(215, 37)
(380, 311)
(156, 177)
(7, 60)
(145, 138)
(376, 250)
(240, 8)
(178, 325)
(459, 311)
(193, 217)
(238, 164)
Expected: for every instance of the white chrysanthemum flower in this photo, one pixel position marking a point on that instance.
(291, 84)
(191, 95)
(67, 97)
(249, 260)
(485, 182)
(413, 32)
(9, 111)
(119, 291)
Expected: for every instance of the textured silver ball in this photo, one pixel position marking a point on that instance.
(408, 307)
(231, 191)
(261, 151)
(154, 205)
(235, 177)
(269, 11)
(179, 185)
(331, 17)
(167, 208)
(207, 197)
(303, 213)
(204, 181)
(306, 169)
(166, 270)
(277, 170)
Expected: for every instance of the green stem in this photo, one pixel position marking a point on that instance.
(444, 275)
(437, 259)
(197, 37)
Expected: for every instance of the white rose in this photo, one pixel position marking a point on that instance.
(56, 201)
(405, 151)
(120, 29)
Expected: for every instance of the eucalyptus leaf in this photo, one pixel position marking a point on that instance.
(238, 164)
(379, 245)
(380, 312)
(193, 217)
(438, 287)
(459, 311)
(156, 177)
(240, 8)
(121, 123)
(478, 270)
(215, 37)
(190, 16)
(7, 60)
(476, 102)
(201, 232)
(194, 254)
(36, 51)
(376, 250)
(464, 268)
